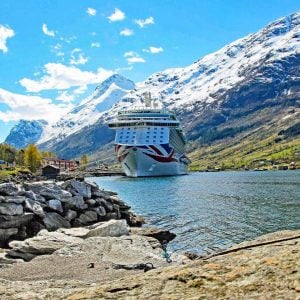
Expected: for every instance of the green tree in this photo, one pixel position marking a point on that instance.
(32, 157)
(83, 161)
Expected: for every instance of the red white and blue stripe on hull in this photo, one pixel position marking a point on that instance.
(151, 160)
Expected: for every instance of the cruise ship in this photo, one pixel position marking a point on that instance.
(150, 142)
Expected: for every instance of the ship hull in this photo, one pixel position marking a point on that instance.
(144, 161)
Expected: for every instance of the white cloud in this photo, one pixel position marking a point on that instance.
(5, 33)
(82, 89)
(133, 57)
(30, 107)
(47, 31)
(57, 49)
(77, 57)
(154, 50)
(142, 23)
(64, 96)
(126, 32)
(117, 15)
(91, 11)
(61, 77)
(95, 45)
(123, 69)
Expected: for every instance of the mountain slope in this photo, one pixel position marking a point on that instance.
(25, 132)
(246, 91)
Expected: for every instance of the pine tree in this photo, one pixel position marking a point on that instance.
(32, 157)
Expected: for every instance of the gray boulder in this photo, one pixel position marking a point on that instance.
(5, 234)
(44, 243)
(31, 195)
(101, 212)
(34, 207)
(77, 203)
(81, 188)
(13, 199)
(8, 189)
(48, 190)
(70, 215)
(108, 206)
(88, 217)
(55, 205)
(15, 221)
(11, 209)
(54, 221)
(111, 228)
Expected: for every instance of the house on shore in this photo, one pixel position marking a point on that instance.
(61, 164)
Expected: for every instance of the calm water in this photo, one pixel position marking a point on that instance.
(211, 211)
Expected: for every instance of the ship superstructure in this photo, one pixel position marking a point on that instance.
(149, 142)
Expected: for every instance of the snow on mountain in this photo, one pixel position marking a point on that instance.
(25, 132)
(257, 71)
(90, 109)
(205, 79)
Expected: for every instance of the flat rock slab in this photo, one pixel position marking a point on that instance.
(112, 228)
(265, 272)
(44, 243)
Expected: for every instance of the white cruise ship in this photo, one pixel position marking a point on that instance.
(150, 142)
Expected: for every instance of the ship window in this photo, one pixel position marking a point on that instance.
(160, 141)
(154, 136)
(147, 141)
(155, 128)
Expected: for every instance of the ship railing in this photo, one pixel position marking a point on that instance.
(146, 110)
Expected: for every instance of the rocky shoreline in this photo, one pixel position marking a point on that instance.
(26, 209)
(72, 240)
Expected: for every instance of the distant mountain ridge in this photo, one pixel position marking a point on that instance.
(25, 133)
(249, 85)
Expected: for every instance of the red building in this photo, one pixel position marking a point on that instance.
(62, 164)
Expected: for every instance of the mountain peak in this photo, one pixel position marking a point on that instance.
(117, 79)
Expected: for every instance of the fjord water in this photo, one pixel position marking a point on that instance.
(212, 211)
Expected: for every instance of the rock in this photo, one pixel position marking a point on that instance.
(117, 210)
(44, 243)
(11, 209)
(49, 190)
(132, 219)
(101, 212)
(80, 232)
(111, 228)
(90, 202)
(88, 217)
(70, 215)
(34, 228)
(8, 189)
(54, 221)
(157, 233)
(31, 195)
(13, 199)
(34, 207)
(5, 234)
(4, 260)
(76, 203)
(108, 206)
(55, 205)
(15, 221)
(111, 216)
(81, 188)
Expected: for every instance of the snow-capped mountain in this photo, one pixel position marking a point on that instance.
(246, 84)
(25, 132)
(108, 93)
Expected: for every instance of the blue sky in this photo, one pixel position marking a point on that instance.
(53, 52)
